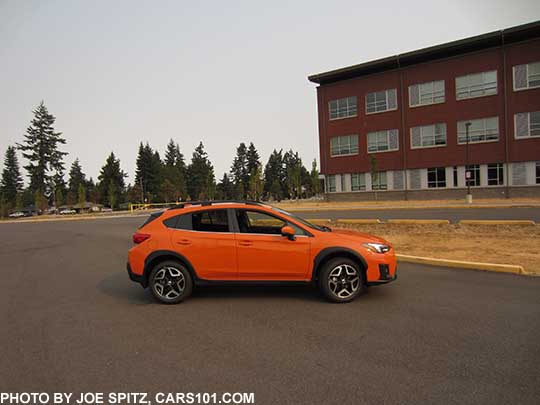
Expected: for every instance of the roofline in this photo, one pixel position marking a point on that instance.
(480, 42)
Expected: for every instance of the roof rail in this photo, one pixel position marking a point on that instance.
(212, 202)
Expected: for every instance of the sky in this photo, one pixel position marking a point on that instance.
(115, 73)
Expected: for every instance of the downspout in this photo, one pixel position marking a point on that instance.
(506, 126)
(403, 144)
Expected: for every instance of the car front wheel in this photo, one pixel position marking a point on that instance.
(170, 282)
(341, 280)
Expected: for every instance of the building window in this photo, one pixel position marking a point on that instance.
(481, 130)
(380, 101)
(343, 108)
(426, 93)
(495, 174)
(428, 136)
(527, 76)
(343, 183)
(378, 181)
(537, 172)
(382, 141)
(331, 186)
(358, 181)
(436, 177)
(476, 85)
(344, 145)
(527, 125)
(455, 172)
(474, 175)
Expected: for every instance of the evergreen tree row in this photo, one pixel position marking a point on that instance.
(156, 180)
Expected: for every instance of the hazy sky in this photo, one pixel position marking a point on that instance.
(115, 73)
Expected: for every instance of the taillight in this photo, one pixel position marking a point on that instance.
(140, 237)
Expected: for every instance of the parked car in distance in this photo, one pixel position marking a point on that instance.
(223, 241)
(17, 214)
(67, 211)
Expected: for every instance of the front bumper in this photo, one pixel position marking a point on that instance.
(384, 279)
(135, 277)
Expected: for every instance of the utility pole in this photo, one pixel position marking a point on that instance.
(467, 171)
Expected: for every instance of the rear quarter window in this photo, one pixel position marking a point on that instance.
(151, 218)
(179, 222)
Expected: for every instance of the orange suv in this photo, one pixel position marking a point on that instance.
(222, 241)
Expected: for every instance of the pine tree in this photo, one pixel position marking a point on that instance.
(256, 184)
(315, 182)
(293, 168)
(11, 184)
(81, 193)
(225, 188)
(174, 171)
(274, 176)
(76, 177)
(253, 159)
(40, 147)
(111, 182)
(148, 171)
(239, 171)
(200, 178)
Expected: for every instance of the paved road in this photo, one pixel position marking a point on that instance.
(71, 321)
(452, 214)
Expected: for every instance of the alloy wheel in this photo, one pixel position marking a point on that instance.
(343, 281)
(169, 283)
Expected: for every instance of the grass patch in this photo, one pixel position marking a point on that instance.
(503, 244)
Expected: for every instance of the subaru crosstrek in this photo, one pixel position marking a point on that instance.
(218, 241)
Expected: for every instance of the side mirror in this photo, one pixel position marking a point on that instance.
(288, 231)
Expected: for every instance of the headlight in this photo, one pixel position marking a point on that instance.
(377, 247)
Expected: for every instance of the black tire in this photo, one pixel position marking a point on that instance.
(170, 282)
(331, 284)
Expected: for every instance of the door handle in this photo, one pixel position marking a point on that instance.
(245, 243)
(184, 242)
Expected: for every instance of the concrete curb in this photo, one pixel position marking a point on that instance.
(499, 268)
(495, 222)
(419, 221)
(358, 221)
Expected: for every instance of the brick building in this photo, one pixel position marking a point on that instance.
(397, 125)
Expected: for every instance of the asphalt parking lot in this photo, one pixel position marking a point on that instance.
(71, 321)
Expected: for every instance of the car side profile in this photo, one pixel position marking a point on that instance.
(222, 241)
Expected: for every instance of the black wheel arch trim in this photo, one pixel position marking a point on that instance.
(332, 252)
(164, 254)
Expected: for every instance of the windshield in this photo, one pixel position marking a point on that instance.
(302, 220)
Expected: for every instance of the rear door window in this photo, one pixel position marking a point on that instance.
(210, 221)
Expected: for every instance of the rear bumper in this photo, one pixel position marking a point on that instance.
(384, 280)
(135, 277)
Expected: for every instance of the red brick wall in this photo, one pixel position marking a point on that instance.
(449, 112)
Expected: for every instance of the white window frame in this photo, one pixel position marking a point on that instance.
(499, 167)
(473, 169)
(360, 180)
(434, 136)
(477, 132)
(526, 75)
(435, 184)
(484, 87)
(376, 185)
(329, 187)
(386, 101)
(347, 108)
(350, 147)
(432, 93)
(529, 136)
(386, 132)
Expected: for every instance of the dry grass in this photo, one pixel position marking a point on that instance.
(519, 245)
(309, 204)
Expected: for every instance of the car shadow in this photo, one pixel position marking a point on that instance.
(119, 286)
(250, 291)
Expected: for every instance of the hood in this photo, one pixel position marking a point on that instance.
(358, 236)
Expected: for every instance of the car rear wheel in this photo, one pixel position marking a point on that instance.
(170, 282)
(341, 280)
